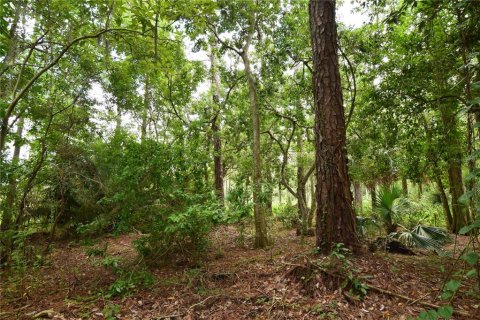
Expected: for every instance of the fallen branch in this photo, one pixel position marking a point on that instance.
(417, 301)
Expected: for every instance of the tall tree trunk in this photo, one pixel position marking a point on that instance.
(460, 213)
(301, 190)
(335, 216)
(146, 108)
(261, 239)
(216, 130)
(467, 82)
(12, 188)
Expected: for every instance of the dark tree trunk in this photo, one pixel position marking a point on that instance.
(404, 186)
(335, 216)
(373, 196)
(313, 203)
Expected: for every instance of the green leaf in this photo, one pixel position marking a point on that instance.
(471, 258)
(470, 227)
(445, 312)
(452, 285)
(472, 273)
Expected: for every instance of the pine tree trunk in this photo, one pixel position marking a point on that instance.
(335, 216)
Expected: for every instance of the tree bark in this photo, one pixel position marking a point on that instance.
(216, 129)
(335, 216)
(261, 239)
(405, 186)
(444, 201)
(460, 216)
(302, 229)
(12, 188)
(146, 108)
(373, 196)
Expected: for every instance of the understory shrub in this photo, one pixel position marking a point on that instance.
(287, 215)
(181, 230)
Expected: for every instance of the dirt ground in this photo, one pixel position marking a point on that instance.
(230, 281)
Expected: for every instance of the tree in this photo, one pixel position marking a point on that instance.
(335, 216)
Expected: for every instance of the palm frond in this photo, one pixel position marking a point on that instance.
(423, 237)
(438, 234)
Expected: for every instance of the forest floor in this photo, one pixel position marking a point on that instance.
(231, 281)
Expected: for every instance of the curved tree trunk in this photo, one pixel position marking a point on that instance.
(335, 216)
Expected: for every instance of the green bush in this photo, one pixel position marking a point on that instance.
(184, 230)
(287, 215)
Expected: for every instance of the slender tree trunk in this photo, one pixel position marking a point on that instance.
(454, 160)
(301, 190)
(216, 129)
(12, 188)
(261, 238)
(313, 202)
(467, 81)
(146, 108)
(335, 216)
(420, 189)
(357, 187)
(405, 186)
(373, 196)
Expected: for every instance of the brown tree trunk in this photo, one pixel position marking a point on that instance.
(261, 239)
(216, 130)
(405, 186)
(373, 196)
(444, 200)
(335, 216)
(460, 216)
(302, 229)
(457, 190)
(313, 202)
